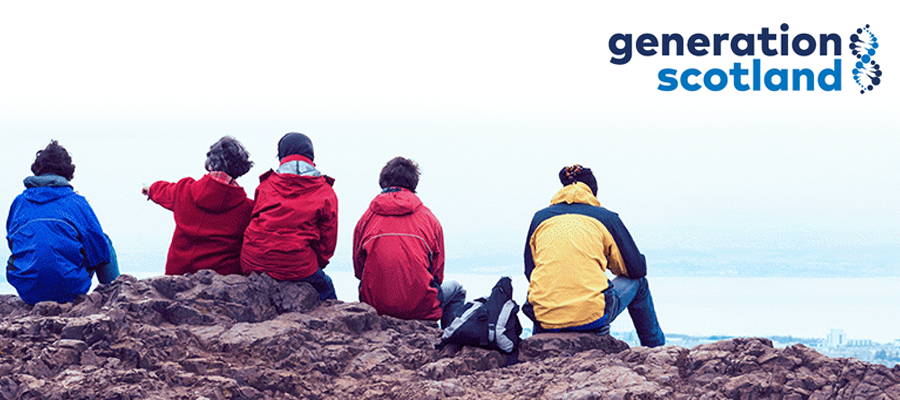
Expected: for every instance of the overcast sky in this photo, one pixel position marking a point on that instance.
(490, 98)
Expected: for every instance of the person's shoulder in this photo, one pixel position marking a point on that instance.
(177, 185)
(19, 198)
(326, 187)
(75, 197)
(188, 180)
(329, 180)
(18, 205)
(266, 181)
(606, 213)
(265, 176)
(76, 201)
(601, 214)
(424, 210)
(604, 210)
(589, 210)
(320, 186)
(551, 209)
(544, 214)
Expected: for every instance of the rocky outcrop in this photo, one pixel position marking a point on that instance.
(206, 336)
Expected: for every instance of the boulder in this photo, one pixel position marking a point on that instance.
(206, 336)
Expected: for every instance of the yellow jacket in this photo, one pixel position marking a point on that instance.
(570, 245)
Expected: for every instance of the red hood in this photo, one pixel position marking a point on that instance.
(396, 203)
(215, 196)
(291, 186)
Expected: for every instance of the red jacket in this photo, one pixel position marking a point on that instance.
(398, 255)
(293, 230)
(210, 218)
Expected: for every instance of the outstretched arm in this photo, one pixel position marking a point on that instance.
(162, 193)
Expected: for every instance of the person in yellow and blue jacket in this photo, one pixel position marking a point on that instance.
(570, 246)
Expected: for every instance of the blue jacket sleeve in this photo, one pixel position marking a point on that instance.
(96, 249)
(635, 263)
(529, 258)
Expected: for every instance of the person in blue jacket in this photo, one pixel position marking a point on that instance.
(54, 238)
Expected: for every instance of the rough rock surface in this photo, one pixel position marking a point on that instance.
(206, 336)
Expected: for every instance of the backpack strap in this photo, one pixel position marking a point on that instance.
(500, 295)
(460, 320)
(504, 342)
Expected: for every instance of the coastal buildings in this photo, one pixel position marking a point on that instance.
(835, 344)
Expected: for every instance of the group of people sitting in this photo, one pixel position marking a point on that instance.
(289, 231)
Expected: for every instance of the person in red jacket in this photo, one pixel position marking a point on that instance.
(210, 214)
(398, 252)
(293, 229)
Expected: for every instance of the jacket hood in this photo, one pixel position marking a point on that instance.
(48, 180)
(399, 202)
(46, 188)
(290, 185)
(298, 165)
(575, 193)
(214, 196)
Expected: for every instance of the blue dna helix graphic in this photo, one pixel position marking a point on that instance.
(867, 72)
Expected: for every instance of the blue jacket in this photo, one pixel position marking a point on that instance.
(54, 238)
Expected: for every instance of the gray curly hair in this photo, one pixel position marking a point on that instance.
(229, 156)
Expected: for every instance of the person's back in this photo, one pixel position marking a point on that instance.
(210, 214)
(398, 252)
(570, 246)
(55, 240)
(292, 232)
(402, 243)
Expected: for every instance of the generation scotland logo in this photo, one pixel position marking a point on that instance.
(867, 73)
(754, 77)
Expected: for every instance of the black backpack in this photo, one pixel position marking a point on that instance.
(491, 323)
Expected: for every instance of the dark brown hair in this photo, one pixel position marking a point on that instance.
(401, 172)
(229, 156)
(578, 173)
(53, 159)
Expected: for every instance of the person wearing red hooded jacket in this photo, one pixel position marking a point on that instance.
(398, 252)
(210, 214)
(293, 229)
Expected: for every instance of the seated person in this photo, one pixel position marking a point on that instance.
(211, 214)
(570, 246)
(293, 228)
(398, 252)
(55, 240)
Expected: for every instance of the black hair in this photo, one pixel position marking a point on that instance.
(53, 159)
